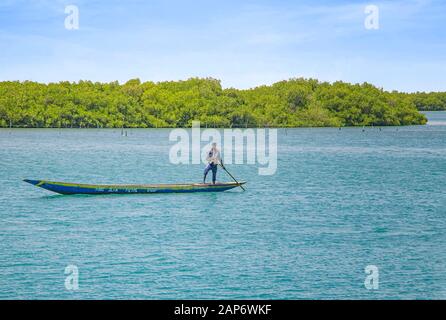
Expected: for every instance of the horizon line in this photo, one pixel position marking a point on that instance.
(121, 82)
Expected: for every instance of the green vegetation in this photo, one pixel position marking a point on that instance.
(432, 101)
(292, 103)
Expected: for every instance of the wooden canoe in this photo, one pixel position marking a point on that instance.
(79, 188)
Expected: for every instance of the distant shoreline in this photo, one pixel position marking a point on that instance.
(218, 128)
(293, 103)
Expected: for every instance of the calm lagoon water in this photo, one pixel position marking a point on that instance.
(340, 200)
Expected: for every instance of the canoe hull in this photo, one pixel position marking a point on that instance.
(78, 188)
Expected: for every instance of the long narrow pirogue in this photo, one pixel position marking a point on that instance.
(78, 188)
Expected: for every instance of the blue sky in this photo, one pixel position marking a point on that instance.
(243, 43)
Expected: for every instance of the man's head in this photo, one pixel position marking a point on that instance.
(214, 145)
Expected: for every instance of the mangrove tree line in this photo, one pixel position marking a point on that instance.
(292, 103)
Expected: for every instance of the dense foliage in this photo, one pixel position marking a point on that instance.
(432, 101)
(292, 103)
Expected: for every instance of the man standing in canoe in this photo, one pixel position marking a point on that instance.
(213, 159)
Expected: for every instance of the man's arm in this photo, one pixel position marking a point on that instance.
(219, 159)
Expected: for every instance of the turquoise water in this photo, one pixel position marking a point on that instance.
(340, 200)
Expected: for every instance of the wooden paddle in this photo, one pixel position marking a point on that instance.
(232, 176)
